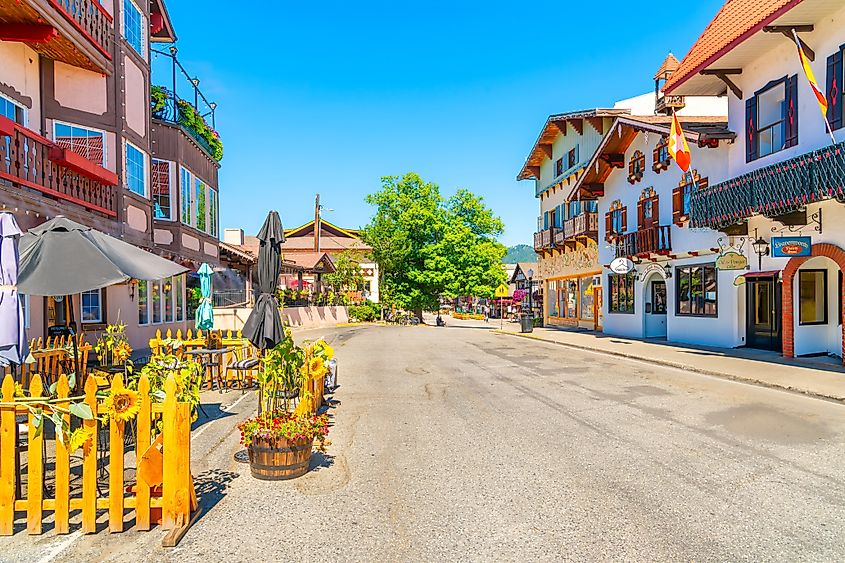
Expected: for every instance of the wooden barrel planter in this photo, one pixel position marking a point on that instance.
(279, 460)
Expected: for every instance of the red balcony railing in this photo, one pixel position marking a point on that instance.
(585, 224)
(29, 160)
(91, 19)
(655, 240)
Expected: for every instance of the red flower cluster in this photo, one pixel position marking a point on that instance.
(278, 426)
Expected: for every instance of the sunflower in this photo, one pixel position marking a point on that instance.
(328, 351)
(78, 438)
(122, 404)
(316, 367)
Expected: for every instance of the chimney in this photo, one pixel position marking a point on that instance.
(233, 236)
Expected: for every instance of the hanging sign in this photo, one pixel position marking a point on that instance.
(739, 280)
(621, 265)
(787, 247)
(502, 291)
(731, 260)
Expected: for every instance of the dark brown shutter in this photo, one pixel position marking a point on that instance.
(791, 137)
(834, 90)
(624, 220)
(608, 225)
(703, 183)
(655, 211)
(677, 205)
(751, 129)
(640, 215)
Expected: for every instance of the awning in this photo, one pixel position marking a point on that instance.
(766, 274)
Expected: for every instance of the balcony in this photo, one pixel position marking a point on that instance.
(543, 240)
(182, 104)
(642, 243)
(583, 225)
(76, 32)
(28, 160)
(778, 189)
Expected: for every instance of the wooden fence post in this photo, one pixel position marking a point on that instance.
(169, 443)
(7, 458)
(116, 429)
(89, 463)
(142, 442)
(62, 489)
(35, 466)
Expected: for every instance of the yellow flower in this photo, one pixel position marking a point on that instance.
(78, 438)
(328, 351)
(19, 390)
(316, 367)
(122, 404)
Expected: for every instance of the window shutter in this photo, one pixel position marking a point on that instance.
(624, 220)
(791, 137)
(751, 129)
(608, 225)
(655, 211)
(545, 220)
(560, 215)
(677, 206)
(640, 217)
(834, 90)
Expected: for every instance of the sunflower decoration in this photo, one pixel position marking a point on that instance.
(79, 438)
(122, 404)
(314, 366)
(19, 392)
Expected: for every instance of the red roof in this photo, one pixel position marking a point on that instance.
(735, 22)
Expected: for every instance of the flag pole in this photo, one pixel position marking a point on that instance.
(811, 79)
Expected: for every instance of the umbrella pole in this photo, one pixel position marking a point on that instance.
(77, 374)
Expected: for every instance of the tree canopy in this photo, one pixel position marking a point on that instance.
(428, 246)
(348, 275)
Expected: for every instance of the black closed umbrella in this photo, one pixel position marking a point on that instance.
(264, 326)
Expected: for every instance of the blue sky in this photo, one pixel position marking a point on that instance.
(328, 97)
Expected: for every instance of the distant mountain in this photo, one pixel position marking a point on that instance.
(519, 253)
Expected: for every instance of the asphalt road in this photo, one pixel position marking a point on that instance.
(462, 444)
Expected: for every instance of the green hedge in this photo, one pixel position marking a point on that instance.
(366, 312)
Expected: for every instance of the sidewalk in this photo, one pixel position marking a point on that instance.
(819, 377)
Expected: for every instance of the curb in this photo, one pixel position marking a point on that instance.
(681, 366)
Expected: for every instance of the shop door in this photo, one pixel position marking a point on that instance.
(763, 327)
(597, 307)
(655, 318)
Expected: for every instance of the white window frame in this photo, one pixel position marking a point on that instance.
(170, 176)
(189, 191)
(24, 109)
(143, 52)
(146, 169)
(92, 129)
(163, 293)
(98, 320)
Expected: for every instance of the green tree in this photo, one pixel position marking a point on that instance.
(427, 246)
(348, 275)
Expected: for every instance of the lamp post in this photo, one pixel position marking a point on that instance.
(761, 248)
(530, 291)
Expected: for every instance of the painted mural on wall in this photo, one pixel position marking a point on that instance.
(584, 259)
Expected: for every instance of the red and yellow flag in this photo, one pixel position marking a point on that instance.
(808, 72)
(678, 147)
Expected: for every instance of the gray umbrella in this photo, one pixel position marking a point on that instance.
(13, 347)
(62, 257)
(264, 326)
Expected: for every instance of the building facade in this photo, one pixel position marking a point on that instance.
(80, 137)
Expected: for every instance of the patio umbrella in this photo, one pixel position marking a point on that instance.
(264, 326)
(62, 257)
(13, 346)
(205, 310)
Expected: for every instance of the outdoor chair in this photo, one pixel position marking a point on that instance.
(243, 363)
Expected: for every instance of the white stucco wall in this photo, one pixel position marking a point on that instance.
(19, 71)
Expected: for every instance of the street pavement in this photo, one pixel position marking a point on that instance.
(458, 443)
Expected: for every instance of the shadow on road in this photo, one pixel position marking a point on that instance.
(212, 487)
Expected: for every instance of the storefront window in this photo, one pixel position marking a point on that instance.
(572, 299)
(697, 293)
(621, 290)
(552, 299)
(812, 297)
(587, 298)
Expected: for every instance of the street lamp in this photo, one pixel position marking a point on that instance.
(761, 248)
(530, 291)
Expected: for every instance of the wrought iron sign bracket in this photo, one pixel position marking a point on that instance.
(814, 220)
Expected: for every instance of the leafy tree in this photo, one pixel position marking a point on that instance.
(427, 246)
(347, 275)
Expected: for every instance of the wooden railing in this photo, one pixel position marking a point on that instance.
(655, 240)
(52, 358)
(30, 160)
(178, 497)
(543, 239)
(583, 224)
(91, 19)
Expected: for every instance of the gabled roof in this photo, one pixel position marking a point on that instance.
(670, 64)
(523, 267)
(695, 128)
(317, 262)
(555, 125)
(166, 34)
(326, 229)
(735, 22)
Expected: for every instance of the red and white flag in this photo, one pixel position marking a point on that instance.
(678, 147)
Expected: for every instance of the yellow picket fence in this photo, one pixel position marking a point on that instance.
(52, 357)
(177, 500)
(468, 316)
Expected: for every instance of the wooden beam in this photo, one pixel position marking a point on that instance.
(578, 125)
(597, 123)
(786, 31)
(535, 171)
(595, 189)
(27, 33)
(560, 126)
(614, 160)
(723, 75)
(547, 149)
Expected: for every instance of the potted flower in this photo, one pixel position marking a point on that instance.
(280, 443)
(112, 348)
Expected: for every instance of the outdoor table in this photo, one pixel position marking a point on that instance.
(211, 358)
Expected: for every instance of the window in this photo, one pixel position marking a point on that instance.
(696, 291)
(772, 118)
(682, 195)
(616, 220)
(92, 306)
(812, 297)
(833, 92)
(167, 297)
(88, 143)
(572, 157)
(13, 111)
(136, 177)
(212, 212)
(143, 302)
(587, 298)
(636, 167)
(552, 300)
(133, 26)
(180, 298)
(200, 198)
(648, 209)
(162, 197)
(185, 196)
(621, 290)
(558, 167)
(662, 158)
(571, 298)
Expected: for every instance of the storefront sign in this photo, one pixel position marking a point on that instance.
(621, 265)
(787, 247)
(652, 268)
(731, 260)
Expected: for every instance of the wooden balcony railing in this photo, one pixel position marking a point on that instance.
(90, 18)
(543, 240)
(29, 160)
(584, 224)
(655, 240)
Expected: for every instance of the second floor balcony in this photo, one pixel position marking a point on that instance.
(643, 242)
(31, 162)
(76, 32)
(584, 225)
(778, 189)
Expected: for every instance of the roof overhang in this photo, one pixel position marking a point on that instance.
(161, 28)
(747, 47)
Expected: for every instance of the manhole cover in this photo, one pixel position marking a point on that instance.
(242, 456)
